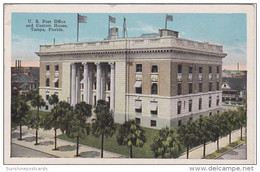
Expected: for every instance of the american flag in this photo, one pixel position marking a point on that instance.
(169, 17)
(82, 19)
(112, 19)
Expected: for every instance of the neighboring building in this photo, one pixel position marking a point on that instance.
(158, 81)
(23, 79)
(234, 73)
(234, 90)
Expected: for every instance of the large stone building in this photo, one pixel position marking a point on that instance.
(159, 81)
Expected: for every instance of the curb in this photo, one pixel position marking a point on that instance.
(229, 150)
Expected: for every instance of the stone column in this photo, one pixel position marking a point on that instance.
(73, 84)
(112, 86)
(78, 85)
(98, 90)
(85, 90)
(90, 86)
(103, 84)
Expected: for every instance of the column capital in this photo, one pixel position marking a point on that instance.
(112, 65)
(73, 65)
(98, 64)
(85, 63)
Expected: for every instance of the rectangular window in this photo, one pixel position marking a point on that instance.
(217, 85)
(200, 103)
(138, 90)
(210, 69)
(210, 101)
(47, 82)
(210, 114)
(190, 105)
(153, 123)
(200, 87)
(139, 68)
(190, 69)
(57, 84)
(47, 67)
(154, 69)
(138, 106)
(95, 100)
(179, 68)
(179, 123)
(154, 108)
(46, 107)
(217, 102)
(56, 67)
(190, 88)
(210, 86)
(138, 120)
(217, 69)
(47, 97)
(200, 69)
(179, 89)
(154, 88)
(179, 107)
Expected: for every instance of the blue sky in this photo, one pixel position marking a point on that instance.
(228, 30)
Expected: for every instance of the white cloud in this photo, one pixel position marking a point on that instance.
(142, 27)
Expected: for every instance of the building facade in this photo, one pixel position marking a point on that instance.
(158, 81)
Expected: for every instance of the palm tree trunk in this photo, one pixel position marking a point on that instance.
(102, 144)
(55, 139)
(131, 151)
(241, 130)
(204, 149)
(36, 137)
(230, 137)
(20, 138)
(77, 153)
(188, 152)
(218, 144)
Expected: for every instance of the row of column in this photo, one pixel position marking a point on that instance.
(87, 81)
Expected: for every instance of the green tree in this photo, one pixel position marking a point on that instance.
(188, 134)
(104, 123)
(204, 132)
(77, 126)
(131, 134)
(19, 111)
(230, 122)
(216, 129)
(241, 120)
(36, 102)
(166, 144)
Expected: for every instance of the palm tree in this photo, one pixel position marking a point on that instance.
(19, 110)
(54, 100)
(78, 127)
(131, 134)
(36, 102)
(188, 134)
(205, 132)
(104, 123)
(166, 144)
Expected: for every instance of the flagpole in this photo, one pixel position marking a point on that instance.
(108, 27)
(78, 27)
(166, 21)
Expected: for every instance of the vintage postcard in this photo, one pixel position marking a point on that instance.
(129, 84)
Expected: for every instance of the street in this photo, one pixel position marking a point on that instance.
(237, 153)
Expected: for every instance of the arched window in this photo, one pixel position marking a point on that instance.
(47, 82)
(154, 88)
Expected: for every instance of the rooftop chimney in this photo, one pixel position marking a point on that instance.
(113, 33)
(167, 32)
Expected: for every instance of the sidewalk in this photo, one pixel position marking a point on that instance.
(197, 152)
(66, 149)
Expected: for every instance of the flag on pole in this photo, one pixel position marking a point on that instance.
(82, 19)
(112, 19)
(169, 17)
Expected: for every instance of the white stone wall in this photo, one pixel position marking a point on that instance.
(66, 83)
(120, 88)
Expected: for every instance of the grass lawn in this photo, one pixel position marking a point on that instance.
(225, 149)
(110, 144)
